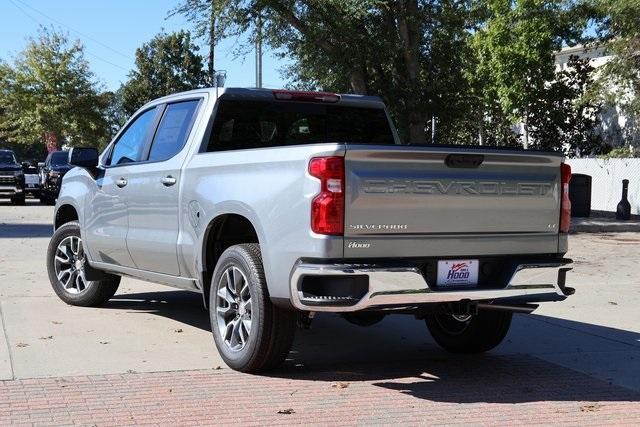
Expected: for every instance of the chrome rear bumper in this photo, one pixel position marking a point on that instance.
(406, 286)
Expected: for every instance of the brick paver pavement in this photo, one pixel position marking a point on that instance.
(488, 390)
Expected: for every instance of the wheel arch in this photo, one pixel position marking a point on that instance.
(223, 231)
(65, 213)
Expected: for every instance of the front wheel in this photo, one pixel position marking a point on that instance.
(66, 267)
(251, 333)
(469, 333)
(19, 200)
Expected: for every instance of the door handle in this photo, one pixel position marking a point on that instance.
(121, 182)
(168, 181)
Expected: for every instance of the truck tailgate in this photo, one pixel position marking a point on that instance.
(403, 200)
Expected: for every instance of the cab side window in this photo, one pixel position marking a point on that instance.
(173, 130)
(129, 147)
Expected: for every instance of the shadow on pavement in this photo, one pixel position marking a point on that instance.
(486, 378)
(398, 354)
(11, 230)
(182, 306)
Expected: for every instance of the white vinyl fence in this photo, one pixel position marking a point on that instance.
(606, 181)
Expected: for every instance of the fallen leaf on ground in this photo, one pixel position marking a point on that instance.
(21, 344)
(340, 385)
(286, 411)
(218, 368)
(590, 408)
(177, 330)
(55, 322)
(104, 342)
(50, 337)
(613, 303)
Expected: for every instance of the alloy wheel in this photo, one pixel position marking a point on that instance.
(453, 324)
(69, 265)
(233, 308)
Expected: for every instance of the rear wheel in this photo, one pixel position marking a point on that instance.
(251, 334)
(469, 333)
(66, 267)
(364, 318)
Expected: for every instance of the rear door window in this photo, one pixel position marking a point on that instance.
(173, 130)
(254, 124)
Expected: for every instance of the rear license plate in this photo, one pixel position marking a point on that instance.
(458, 272)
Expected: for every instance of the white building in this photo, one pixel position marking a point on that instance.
(616, 129)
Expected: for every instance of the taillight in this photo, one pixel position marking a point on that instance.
(327, 208)
(299, 95)
(565, 202)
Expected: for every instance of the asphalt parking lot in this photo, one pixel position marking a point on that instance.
(148, 356)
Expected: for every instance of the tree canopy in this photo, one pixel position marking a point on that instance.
(167, 64)
(469, 67)
(49, 94)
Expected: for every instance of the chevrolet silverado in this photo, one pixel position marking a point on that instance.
(275, 205)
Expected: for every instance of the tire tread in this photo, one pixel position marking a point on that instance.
(277, 326)
(98, 293)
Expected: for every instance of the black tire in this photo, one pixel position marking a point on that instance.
(47, 200)
(272, 328)
(95, 292)
(364, 318)
(19, 200)
(480, 333)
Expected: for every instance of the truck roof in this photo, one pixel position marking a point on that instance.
(267, 95)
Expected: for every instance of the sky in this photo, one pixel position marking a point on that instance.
(112, 30)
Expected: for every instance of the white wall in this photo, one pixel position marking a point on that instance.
(606, 181)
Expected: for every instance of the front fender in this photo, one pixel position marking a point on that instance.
(76, 185)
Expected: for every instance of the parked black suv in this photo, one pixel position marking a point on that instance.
(55, 166)
(11, 178)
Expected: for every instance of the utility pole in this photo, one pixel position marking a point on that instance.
(259, 52)
(433, 129)
(212, 44)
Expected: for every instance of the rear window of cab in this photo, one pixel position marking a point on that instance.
(243, 124)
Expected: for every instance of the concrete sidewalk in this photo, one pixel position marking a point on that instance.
(604, 225)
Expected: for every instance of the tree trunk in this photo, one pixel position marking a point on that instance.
(416, 130)
(358, 82)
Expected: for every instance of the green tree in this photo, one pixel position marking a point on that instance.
(167, 64)
(49, 94)
(471, 67)
(563, 118)
(514, 51)
(408, 52)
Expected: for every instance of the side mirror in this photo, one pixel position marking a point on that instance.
(40, 165)
(84, 157)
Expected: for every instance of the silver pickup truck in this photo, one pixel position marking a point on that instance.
(276, 205)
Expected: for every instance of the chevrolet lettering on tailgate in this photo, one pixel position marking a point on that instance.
(419, 186)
